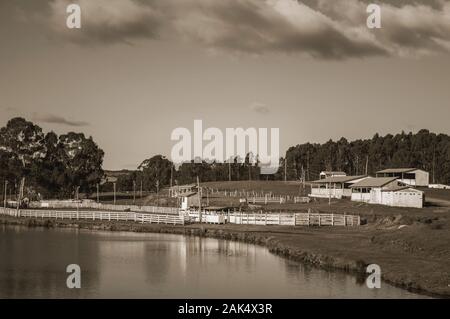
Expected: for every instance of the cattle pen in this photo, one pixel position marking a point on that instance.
(186, 217)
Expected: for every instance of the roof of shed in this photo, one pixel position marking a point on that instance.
(373, 182)
(338, 179)
(334, 172)
(401, 188)
(183, 186)
(397, 170)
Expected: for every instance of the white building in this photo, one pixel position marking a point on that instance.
(439, 186)
(325, 174)
(386, 191)
(409, 176)
(334, 187)
(188, 200)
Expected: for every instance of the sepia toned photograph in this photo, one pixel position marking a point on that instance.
(205, 151)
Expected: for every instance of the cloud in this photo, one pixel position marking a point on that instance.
(107, 21)
(55, 119)
(318, 28)
(259, 108)
(9, 108)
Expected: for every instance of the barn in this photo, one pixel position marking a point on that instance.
(386, 191)
(334, 187)
(189, 200)
(409, 176)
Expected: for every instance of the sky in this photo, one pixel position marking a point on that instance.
(136, 70)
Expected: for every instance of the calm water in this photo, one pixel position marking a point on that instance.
(128, 265)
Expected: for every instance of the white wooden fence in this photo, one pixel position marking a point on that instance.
(97, 215)
(288, 219)
(297, 219)
(301, 199)
(100, 206)
(267, 199)
(293, 219)
(260, 197)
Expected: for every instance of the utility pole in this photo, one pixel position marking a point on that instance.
(199, 200)
(367, 163)
(229, 170)
(307, 164)
(171, 175)
(434, 164)
(98, 195)
(295, 169)
(114, 187)
(329, 194)
(303, 181)
(357, 164)
(134, 192)
(6, 187)
(285, 169)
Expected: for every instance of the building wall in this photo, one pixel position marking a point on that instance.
(327, 192)
(422, 178)
(361, 197)
(406, 198)
(411, 182)
(439, 186)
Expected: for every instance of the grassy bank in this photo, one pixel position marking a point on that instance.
(415, 257)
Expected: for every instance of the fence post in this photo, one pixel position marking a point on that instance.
(345, 220)
(295, 219)
(309, 218)
(319, 220)
(332, 219)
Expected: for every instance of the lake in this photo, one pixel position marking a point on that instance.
(33, 264)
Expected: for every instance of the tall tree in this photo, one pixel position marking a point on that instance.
(156, 172)
(82, 159)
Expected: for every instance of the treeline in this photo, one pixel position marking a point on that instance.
(52, 165)
(425, 150)
(58, 166)
(158, 172)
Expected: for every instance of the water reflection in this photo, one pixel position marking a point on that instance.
(129, 265)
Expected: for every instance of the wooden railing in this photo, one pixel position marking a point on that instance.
(288, 219)
(294, 219)
(96, 215)
(100, 206)
(297, 219)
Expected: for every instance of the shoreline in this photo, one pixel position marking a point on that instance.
(271, 237)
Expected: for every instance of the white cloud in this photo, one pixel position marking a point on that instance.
(324, 29)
